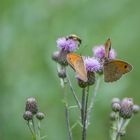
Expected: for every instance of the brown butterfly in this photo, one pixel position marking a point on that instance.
(77, 63)
(114, 69)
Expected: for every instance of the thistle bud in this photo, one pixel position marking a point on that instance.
(126, 110)
(40, 116)
(62, 59)
(28, 116)
(91, 77)
(62, 73)
(113, 116)
(136, 109)
(116, 107)
(89, 82)
(55, 56)
(116, 100)
(82, 84)
(31, 105)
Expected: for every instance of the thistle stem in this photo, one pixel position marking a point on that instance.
(30, 128)
(64, 84)
(73, 92)
(84, 112)
(34, 129)
(93, 99)
(67, 113)
(39, 129)
(119, 130)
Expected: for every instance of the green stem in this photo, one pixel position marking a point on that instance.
(67, 113)
(73, 92)
(66, 107)
(93, 99)
(39, 129)
(34, 129)
(83, 106)
(84, 112)
(32, 132)
(120, 126)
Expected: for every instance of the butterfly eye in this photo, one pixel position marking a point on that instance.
(125, 66)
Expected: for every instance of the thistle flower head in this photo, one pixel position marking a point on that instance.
(55, 56)
(116, 100)
(31, 105)
(116, 107)
(136, 109)
(28, 116)
(99, 52)
(92, 64)
(62, 73)
(67, 44)
(40, 116)
(126, 110)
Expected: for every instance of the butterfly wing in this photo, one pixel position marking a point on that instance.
(81, 69)
(114, 69)
(107, 48)
(77, 63)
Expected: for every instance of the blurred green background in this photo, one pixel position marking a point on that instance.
(28, 33)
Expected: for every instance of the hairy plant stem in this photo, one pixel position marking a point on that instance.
(30, 128)
(73, 92)
(67, 112)
(119, 128)
(39, 128)
(84, 111)
(93, 99)
(64, 83)
(34, 129)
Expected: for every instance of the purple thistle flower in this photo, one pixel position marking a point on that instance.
(69, 45)
(99, 52)
(112, 54)
(92, 64)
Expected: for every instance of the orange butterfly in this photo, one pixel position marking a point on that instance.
(114, 69)
(77, 63)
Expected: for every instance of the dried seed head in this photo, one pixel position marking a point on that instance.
(28, 116)
(40, 116)
(31, 105)
(126, 110)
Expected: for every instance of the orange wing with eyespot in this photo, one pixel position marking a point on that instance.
(114, 69)
(77, 63)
